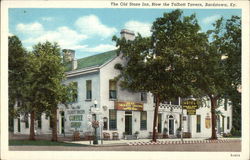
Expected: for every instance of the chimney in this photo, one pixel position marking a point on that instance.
(68, 55)
(74, 64)
(127, 34)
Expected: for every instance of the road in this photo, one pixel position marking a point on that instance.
(233, 146)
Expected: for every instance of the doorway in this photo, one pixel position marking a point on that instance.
(128, 123)
(171, 125)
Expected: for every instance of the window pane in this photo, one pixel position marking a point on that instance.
(228, 122)
(112, 85)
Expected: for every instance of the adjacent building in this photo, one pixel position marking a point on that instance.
(119, 110)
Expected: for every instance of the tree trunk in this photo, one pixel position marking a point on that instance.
(32, 125)
(213, 107)
(155, 119)
(54, 124)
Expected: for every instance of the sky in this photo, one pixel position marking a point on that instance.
(89, 31)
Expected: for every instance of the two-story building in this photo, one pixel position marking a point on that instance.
(119, 110)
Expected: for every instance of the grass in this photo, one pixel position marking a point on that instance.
(41, 143)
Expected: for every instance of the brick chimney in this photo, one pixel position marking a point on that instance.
(127, 34)
(69, 57)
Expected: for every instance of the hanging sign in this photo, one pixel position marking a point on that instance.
(131, 106)
(190, 106)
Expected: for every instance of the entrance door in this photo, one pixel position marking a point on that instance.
(128, 124)
(171, 126)
(62, 122)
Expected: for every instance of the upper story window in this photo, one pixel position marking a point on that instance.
(225, 104)
(73, 92)
(112, 89)
(88, 89)
(144, 96)
(175, 101)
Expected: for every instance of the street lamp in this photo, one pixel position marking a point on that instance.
(95, 124)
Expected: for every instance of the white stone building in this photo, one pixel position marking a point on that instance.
(120, 110)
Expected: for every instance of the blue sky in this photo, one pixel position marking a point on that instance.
(89, 30)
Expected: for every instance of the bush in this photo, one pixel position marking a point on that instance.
(235, 132)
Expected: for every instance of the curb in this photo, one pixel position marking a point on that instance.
(178, 142)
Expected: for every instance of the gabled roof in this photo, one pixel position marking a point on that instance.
(93, 61)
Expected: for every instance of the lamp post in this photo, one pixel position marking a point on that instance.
(95, 127)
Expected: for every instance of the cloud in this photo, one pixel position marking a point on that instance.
(31, 28)
(10, 34)
(100, 48)
(139, 27)
(211, 19)
(47, 19)
(64, 36)
(91, 25)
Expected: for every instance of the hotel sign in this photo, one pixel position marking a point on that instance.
(190, 106)
(129, 106)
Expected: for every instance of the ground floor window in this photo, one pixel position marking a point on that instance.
(39, 122)
(228, 122)
(159, 123)
(105, 123)
(112, 119)
(198, 123)
(27, 123)
(143, 120)
(19, 124)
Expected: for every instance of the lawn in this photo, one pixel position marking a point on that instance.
(41, 143)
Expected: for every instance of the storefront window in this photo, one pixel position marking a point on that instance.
(89, 89)
(143, 120)
(198, 123)
(112, 89)
(112, 119)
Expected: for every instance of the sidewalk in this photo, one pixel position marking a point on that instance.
(122, 142)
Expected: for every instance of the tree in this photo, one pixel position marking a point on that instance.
(18, 74)
(219, 68)
(161, 64)
(48, 79)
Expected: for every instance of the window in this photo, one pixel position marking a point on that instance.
(39, 122)
(112, 89)
(105, 123)
(175, 101)
(228, 122)
(112, 119)
(50, 122)
(144, 96)
(198, 123)
(73, 93)
(27, 123)
(225, 104)
(88, 90)
(143, 120)
(19, 124)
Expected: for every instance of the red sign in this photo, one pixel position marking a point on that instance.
(129, 106)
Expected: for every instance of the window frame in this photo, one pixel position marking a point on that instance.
(112, 91)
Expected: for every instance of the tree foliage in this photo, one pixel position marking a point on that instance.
(161, 64)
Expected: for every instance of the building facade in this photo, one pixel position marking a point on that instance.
(119, 110)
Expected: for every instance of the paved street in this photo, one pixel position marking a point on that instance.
(231, 146)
